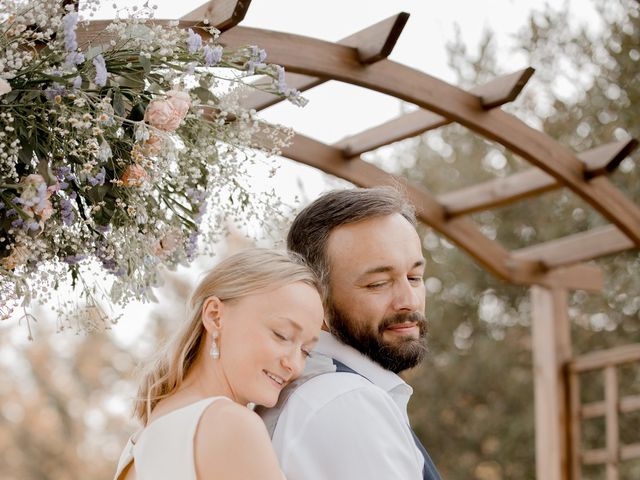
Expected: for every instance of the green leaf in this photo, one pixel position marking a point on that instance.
(44, 169)
(205, 95)
(146, 63)
(118, 103)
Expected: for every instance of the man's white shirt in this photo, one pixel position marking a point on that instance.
(342, 426)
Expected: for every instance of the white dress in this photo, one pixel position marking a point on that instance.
(164, 449)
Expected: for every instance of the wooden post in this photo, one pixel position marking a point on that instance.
(551, 352)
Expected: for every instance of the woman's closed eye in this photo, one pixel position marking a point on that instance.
(280, 336)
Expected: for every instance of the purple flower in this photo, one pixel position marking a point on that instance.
(194, 41)
(73, 58)
(11, 212)
(70, 21)
(1, 205)
(212, 55)
(33, 225)
(66, 210)
(53, 91)
(101, 71)
(18, 222)
(258, 56)
(73, 259)
(98, 179)
(282, 84)
(77, 82)
(103, 228)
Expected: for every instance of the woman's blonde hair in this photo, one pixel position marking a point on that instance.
(241, 274)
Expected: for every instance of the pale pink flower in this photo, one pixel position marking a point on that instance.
(153, 145)
(18, 256)
(134, 176)
(4, 87)
(179, 100)
(167, 114)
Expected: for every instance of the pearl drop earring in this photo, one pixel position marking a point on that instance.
(214, 352)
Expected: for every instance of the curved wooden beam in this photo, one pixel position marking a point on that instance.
(501, 191)
(493, 94)
(331, 61)
(222, 14)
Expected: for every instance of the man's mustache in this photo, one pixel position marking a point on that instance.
(399, 318)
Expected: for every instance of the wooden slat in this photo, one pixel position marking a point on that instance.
(605, 159)
(629, 452)
(259, 100)
(222, 14)
(377, 41)
(550, 330)
(503, 89)
(502, 191)
(495, 93)
(575, 277)
(575, 427)
(323, 59)
(627, 404)
(579, 247)
(612, 356)
(595, 456)
(611, 416)
(372, 44)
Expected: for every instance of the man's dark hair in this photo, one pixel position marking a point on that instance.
(310, 230)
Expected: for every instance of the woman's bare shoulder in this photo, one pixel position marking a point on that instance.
(232, 442)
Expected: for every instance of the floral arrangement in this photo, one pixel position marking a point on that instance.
(114, 147)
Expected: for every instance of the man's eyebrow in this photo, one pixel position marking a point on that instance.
(385, 268)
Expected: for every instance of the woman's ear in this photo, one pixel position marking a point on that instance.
(212, 314)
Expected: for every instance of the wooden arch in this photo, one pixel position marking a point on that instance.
(551, 268)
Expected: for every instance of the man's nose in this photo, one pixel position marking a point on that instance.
(407, 296)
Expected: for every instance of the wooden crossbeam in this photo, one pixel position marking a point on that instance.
(373, 44)
(598, 360)
(578, 247)
(222, 14)
(492, 94)
(501, 191)
(627, 404)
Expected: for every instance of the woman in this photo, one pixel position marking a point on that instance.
(254, 319)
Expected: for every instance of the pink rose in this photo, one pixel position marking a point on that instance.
(181, 101)
(168, 114)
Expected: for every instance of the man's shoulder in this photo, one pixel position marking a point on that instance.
(322, 389)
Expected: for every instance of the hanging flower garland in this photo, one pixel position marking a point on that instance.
(113, 151)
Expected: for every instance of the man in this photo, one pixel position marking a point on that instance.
(346, 418)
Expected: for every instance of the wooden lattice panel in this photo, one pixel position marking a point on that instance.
(614, 451)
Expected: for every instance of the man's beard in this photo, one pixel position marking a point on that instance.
(400, 355)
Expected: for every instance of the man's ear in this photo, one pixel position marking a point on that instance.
(212, 314)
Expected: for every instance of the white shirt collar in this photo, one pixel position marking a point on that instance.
(330, 346)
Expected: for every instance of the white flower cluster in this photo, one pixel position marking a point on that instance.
(115, 149)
